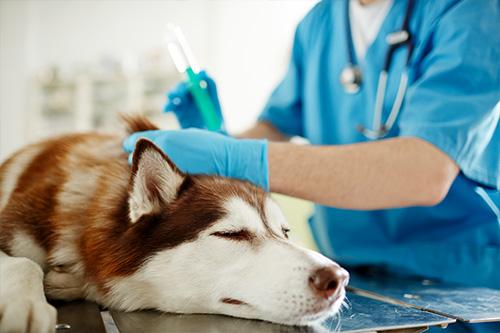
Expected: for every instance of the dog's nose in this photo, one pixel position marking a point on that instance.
(328, 280)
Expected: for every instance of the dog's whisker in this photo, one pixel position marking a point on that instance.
(339, 322)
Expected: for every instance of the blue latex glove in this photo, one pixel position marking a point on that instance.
(181, 103)
(202, 152)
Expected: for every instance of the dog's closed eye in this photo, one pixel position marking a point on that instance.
(238, 235)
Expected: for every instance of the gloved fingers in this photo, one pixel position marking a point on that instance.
(180, 94)
(180, 90)
(203, 76)
(129, 143)
(212, 90)
(177, 97)
(181, 103)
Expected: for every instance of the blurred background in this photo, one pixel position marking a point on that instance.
(70, 66)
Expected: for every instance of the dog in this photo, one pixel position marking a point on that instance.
(78, 222)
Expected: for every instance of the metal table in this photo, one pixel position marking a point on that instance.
(378, 303)
(79, 317)
(363, 315)
(467, 304)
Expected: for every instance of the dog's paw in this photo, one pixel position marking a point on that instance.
(21, 314)
(59, 284)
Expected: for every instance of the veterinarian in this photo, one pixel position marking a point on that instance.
(409, 180)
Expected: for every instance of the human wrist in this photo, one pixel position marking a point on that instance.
(250, 162)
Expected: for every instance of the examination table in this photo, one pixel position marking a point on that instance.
(377, 303)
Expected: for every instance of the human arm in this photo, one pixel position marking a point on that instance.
(390, 173)
(451, 112)
(452, 106)
(384, 174)
(263, 130)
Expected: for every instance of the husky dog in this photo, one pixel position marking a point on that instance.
(76, 221)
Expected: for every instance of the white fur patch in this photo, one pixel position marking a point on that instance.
(22, 301)
(23, 245)
(64, 285)
(79, 188)
(240, 215)
(14, 170)
(275, 218)
(66, 254)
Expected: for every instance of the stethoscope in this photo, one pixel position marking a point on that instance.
(351, 77)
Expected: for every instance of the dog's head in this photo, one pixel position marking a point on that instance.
(221, 246)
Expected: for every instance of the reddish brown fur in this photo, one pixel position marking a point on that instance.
(108, 244)
(137, 123)
(32, 204)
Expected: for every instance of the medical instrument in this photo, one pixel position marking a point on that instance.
(351, 76)
(181, 103)
(185, 62)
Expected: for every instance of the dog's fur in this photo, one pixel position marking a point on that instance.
(75, 216)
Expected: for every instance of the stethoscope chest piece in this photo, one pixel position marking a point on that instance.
(351, 78)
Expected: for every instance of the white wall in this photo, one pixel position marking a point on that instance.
(16, 41)
(243, 44)
(251, 52)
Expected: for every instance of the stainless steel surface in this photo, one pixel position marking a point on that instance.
(369, 314)
(109, 323)
(81, 317)
(380, 303)
(468, 304)
(363, 315)
(62, 327)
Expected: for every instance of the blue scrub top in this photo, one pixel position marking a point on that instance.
(452, 102)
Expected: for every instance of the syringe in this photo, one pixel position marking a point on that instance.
(186, 63)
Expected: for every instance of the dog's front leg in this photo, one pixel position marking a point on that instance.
(23, 306)
(62, 285)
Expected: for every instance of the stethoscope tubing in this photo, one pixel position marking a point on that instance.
(395, 40)
(379, 131)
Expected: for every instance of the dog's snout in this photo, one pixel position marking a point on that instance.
(328, 281)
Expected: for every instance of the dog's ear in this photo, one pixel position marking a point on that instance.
(155, 180)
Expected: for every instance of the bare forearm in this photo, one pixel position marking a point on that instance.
(263, 130)
(384, 174)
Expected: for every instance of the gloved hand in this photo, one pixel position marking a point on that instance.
(181, 103)
(202, 152)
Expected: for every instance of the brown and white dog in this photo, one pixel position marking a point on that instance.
(76, 221)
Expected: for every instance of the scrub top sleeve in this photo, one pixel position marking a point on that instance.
(284, 108)
(454, 101)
